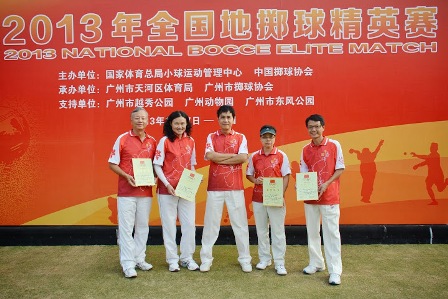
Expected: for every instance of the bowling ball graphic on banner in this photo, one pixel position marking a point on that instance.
(14, 135)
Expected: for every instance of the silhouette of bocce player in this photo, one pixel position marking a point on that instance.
(435, 173)
(367, 169)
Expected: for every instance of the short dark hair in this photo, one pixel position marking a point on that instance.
(315, 117)
(226, 108)
(168, 130)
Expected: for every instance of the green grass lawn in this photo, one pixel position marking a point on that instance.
(370, 271)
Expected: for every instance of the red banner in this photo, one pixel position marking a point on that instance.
(72, 71)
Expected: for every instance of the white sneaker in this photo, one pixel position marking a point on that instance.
(190, 265)
(312, 269)
(281, 270)
(335, 279)
(205, 266)
(174, 267)
(144, 266)
(130, 273)
(263, 265)
(246, 267)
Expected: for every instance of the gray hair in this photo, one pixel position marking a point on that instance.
(137, 109)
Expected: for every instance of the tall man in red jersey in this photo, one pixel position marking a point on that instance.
(227, 151)
(324, 156)
(133, 202)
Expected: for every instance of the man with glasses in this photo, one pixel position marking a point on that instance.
(323, 156)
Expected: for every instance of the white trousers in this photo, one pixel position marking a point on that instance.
(236, 207)
(133, 214)
(332, 238)
(171, 208)
(275, 218)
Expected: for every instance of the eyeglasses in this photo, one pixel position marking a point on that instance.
(314, 127)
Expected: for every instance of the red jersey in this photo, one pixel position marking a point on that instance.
(323, 159)
(174, 157)
(274, 165)
(126, 147)
(226, 177)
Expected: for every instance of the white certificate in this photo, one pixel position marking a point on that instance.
(306, 183)
(188, 185)
(143, 173)
(273, 192)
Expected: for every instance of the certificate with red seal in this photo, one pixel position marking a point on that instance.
(143, 172)
(273, 192)
(306, 186)
(188, 184)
